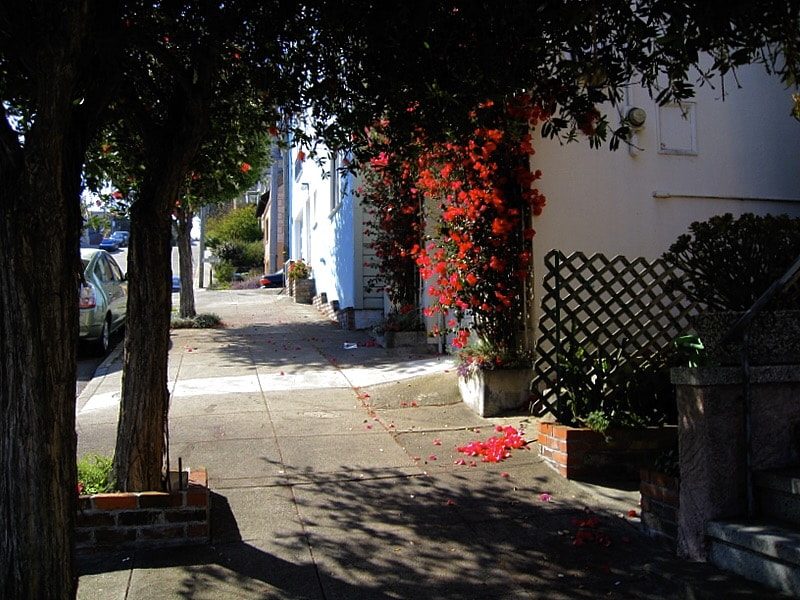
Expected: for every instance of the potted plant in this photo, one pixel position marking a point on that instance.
(727, 263)
(614, 413)
(492, 379)
(301, 286)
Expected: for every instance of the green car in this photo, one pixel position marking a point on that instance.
(102, 298)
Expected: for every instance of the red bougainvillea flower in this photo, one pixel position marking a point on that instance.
(495, 449)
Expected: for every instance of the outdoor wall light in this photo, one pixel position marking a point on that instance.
(636, 116)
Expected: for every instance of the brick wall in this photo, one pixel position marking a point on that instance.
(141, 519)
(660, 502)
(579, 453)
(346, 318)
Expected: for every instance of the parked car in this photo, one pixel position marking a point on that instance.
(102, 298)
(121, 237)
(109, 244)
(176, 283)
(272, 280)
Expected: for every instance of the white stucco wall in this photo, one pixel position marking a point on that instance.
(747, 150)
(324, 235)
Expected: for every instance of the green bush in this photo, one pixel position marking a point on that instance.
(94, 475)
(238, 224)
(243, 255)
(728, 263)
(601, 390)
(223, 271)
(201, 321)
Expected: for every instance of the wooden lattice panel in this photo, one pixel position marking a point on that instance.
(603, 304)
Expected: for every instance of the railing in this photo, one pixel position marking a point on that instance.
(741, 331)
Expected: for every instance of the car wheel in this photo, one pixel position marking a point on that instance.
(102, 344)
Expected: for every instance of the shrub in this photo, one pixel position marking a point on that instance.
(242, 255)
(201, 321)
(728, 263)
(94, 475)
(224, 271)
(599, 390)
(238, 224)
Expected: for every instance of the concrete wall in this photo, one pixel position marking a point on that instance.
(739, 155)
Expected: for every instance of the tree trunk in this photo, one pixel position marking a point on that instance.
(183, 227)
(142, 433)
(39, 240)
(142, 448)
(40, 225)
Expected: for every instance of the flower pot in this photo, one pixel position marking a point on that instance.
(617, 454)
(774, 337)
(492, 392)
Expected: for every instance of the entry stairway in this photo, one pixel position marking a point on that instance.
(767, 548)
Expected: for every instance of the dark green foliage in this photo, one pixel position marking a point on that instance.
(599, 390)
(242, 255)
(727, 263)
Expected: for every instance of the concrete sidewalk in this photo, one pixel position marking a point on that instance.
(334, 474)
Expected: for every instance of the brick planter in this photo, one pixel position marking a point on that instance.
(660, 495)
(580, 453)
(302, 290)
(123, 521)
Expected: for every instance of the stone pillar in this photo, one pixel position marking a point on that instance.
(712, 441)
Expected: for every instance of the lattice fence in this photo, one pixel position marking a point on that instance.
(604, 304)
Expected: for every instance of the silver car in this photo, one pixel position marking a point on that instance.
(102, 298)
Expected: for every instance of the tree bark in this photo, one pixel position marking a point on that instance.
(142, 447)
(183, 228)
(142, 432)
(40, 223)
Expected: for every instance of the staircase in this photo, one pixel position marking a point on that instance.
(765, 549)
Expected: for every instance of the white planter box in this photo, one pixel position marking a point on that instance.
(492, 392)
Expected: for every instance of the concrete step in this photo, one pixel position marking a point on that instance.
(777, 495)
(761, 550)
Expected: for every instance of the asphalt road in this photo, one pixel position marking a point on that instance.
(88, 362)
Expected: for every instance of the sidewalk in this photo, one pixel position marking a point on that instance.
(333, 475)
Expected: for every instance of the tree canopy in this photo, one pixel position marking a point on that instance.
(160, 70)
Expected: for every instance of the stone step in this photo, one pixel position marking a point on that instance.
(764, 551)
(777, 495)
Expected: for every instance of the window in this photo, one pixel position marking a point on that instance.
(677, 130)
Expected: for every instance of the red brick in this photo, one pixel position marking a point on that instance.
(197, 497)
(198, 478)
(114, 536)
(162, 533)
(184, 516)
(160, 499)
(114, 501)
(95, 519)
(139, 517)
(198, 530)
(546, 428)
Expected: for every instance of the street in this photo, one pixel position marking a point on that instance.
(87, 361)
